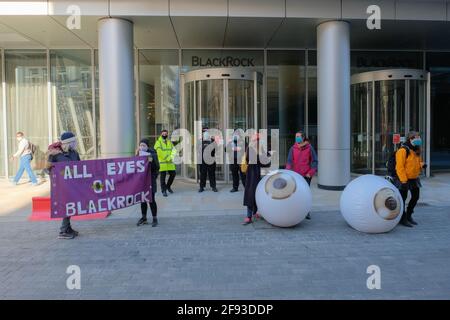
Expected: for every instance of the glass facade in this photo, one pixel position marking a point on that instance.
(159, 98)
(46, 92)
(438, 64)
(72, 98)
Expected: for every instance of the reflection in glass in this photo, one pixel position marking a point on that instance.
(72, 97)
(27, 109)
(2, 126)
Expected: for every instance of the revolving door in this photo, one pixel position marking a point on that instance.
(385, 106)
(221, 99)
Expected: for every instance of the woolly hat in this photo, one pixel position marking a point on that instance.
(67, 137)
(146, 141)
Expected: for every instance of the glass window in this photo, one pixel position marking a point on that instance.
(2, 126)
(27, 108)
(159, 105)
(438, 63)
(71, 94)
(286, 96)
(312, 98)
(362, 61)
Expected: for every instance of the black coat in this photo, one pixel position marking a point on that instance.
(154, 168)
(253, 176)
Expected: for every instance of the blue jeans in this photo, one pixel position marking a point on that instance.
(25, 164)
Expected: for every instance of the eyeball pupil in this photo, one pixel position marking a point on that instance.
(279, 183)
(391, 203)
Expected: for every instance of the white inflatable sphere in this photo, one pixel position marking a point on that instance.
(283, 198)
(371, 204)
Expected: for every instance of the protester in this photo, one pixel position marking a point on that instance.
(253, 176)
(146, 150)
(165, 150)
(408, 166)
(302, 158)
(206, 168)
(234, 153)
(64, 151)
(24, 153)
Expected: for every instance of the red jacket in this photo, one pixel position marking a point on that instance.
(302, 160)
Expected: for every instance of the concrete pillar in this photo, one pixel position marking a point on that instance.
(333, 93)
(116, 84)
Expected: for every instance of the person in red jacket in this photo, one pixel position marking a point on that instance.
(302, 158)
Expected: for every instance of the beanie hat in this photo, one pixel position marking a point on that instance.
(146, 141)
(67, 137)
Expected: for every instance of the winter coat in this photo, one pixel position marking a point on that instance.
(302, 159)
(154, 168)
(408, 167)
(166, 151)
(253, 176)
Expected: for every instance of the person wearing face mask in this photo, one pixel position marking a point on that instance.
(64, 151)
(408, 166)
(147, 151)
(165, 150)
(25, 156)
(235, 153)
(206, 168)
(302, 158)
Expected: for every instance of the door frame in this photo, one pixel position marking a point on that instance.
(371, 77)
(224, 74)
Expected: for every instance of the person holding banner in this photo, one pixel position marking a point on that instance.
(146, 150)
(64, 151)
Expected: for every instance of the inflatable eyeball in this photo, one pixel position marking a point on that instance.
(283, 198)
(371, 204)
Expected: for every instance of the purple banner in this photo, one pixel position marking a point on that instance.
(93, 186)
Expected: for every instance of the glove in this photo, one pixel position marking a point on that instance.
(424, 166)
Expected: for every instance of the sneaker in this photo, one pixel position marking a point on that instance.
(170, 190)
(234, 190)
(154, 222)
(308, 216)
(247, 221)
(142, 221)
(201, 190)
(66, 235)
(164, 193)
(257, 216)
(75, 233)
(215, 189)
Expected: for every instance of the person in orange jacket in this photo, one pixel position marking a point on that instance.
(408, 167)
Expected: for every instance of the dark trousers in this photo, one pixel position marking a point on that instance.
(153, 207)
(415, 193)
(210, 171)
(236, 173)
(164, 185)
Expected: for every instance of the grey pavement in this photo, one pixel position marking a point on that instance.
(200, 250)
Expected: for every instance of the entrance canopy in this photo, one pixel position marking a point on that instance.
(406, 25)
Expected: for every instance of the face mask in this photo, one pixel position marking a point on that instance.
(417, 142)
(19, 139)
(205, 136)
(298, 139)
(164, 136)
(142, 148)
(235, 138)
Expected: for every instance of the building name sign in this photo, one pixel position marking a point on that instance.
(222, 62)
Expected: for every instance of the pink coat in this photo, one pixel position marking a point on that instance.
(302, 160)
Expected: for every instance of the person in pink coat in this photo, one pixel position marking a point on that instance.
(302, 158)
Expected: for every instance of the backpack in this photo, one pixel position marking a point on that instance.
(32, 148)
(392, 162)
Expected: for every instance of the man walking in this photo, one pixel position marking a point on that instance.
(24, 153)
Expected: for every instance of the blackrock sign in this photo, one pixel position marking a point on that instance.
(222, 62)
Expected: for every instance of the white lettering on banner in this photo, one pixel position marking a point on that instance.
(128, 167)
(71, 172)
(140, 165)
(109, 184)
(110, 169)
(106, 204)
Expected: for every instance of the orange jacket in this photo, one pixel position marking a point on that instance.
(407, 167)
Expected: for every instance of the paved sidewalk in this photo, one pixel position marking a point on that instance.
(200, 250)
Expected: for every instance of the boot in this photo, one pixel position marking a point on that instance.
(404, 221)
(164, 193)
(154, 222)
(410, 218)
(142, 221)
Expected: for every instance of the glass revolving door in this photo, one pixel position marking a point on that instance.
(386, 105)
(221, 99)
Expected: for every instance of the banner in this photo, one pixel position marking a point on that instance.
(93, 186)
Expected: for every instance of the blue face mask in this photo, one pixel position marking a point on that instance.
(417, 142)
(298, 139)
